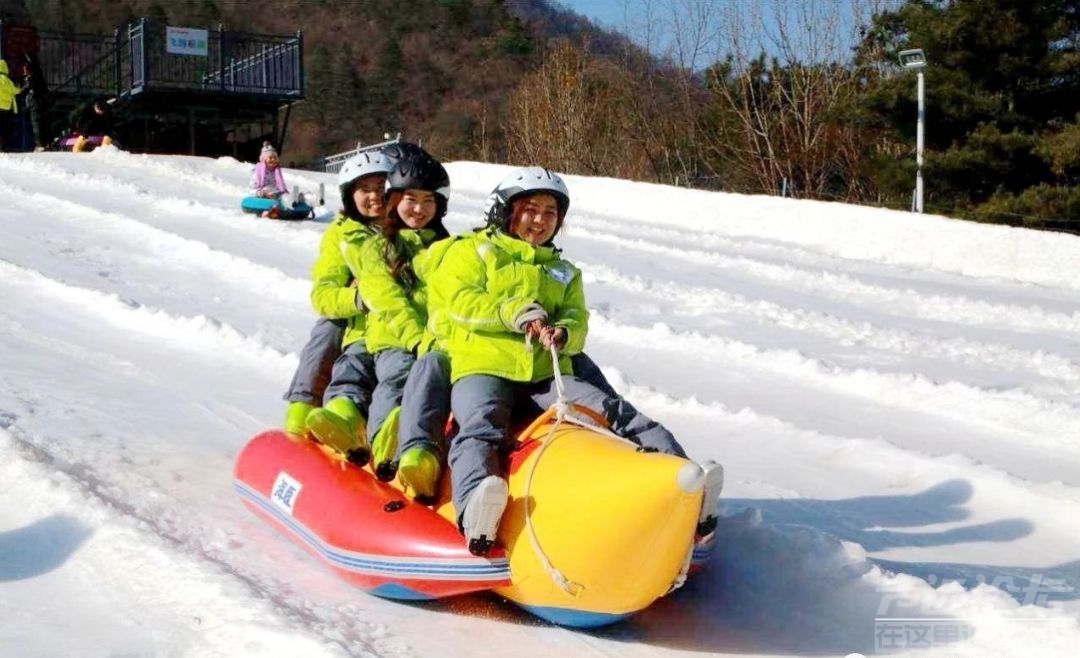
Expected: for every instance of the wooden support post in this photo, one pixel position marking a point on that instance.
(191, 129)
(284, 129)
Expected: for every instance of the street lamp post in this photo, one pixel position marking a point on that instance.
(915, 59)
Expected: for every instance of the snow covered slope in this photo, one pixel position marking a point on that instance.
(896, 399)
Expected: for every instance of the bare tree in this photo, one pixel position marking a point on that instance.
(663, 95)
(760, 85)
(567, 115)
(784, 79)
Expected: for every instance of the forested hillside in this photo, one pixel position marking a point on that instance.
(437, 70)
(769, 97)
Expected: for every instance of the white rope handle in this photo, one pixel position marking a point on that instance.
(560, 407)
(560, 387)
(563, 412)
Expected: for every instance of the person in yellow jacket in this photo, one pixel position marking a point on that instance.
(9, 107)
(334, 295)
(368, 377)
(506, 296)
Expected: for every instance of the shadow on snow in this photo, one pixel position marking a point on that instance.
(40, 547)
(787, 578)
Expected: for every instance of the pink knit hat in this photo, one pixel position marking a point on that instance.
(267, 150)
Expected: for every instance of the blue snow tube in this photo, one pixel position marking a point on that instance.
(257, 205)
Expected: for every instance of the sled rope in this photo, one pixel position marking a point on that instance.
(684, 571)
(560, 407)
(563, 412)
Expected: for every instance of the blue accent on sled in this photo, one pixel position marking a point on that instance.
(574, 618)
(398, 592)
(257, 205)
(385, 566)
(703, 550)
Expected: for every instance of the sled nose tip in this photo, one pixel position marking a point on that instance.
(690, 478)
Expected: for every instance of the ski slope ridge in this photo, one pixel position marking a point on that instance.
(894, 398)
(700, 301)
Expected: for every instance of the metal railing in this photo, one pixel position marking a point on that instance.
(235, 62)
(135, 59)
(82, 64)
(333, 163)
(258, 67)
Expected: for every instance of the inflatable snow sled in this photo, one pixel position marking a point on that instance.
(88, 142)
(594, 530)
(274, 209)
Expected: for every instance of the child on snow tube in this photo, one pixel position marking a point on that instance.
(268, 182)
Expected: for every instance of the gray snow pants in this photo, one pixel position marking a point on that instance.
(483, 406)
(313, 373)
(353, 377)
(425, 405)
(392, 367)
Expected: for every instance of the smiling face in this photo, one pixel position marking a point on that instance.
(368, 195)
(535, 218)
(271, 161)
(416, 208)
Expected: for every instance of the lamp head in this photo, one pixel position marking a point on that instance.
(913, 58)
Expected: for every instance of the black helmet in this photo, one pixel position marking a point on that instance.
(418, 172)
(523, 182)
(398, 150)
(422, 172)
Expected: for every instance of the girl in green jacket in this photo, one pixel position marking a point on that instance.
(361, 181)
(333, 291)
(507, 297)
(368, 377)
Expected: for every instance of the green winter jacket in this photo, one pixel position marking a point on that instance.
(397, 317)
(332, 293)
(8, 90)
(481, 285)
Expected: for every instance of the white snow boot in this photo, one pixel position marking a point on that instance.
(291, 199)
(483, 511)
(714, 483)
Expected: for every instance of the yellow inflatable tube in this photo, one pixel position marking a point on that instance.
(594, 530)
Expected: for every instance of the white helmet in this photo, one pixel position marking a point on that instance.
(363, 164)
(522, 182)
